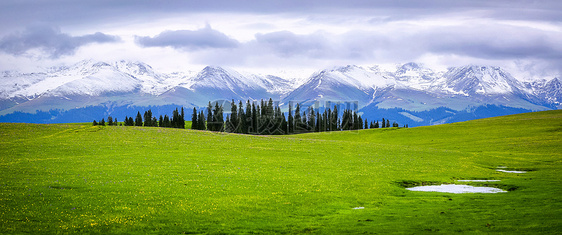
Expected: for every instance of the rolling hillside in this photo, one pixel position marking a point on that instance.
(77, 178)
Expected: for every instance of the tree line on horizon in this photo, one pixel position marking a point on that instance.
(176, 121)
(263, 118)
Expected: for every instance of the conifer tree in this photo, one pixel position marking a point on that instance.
(329, 120)
(291, 122)
(95, 123)
(182, 119)
(175, 118)
(334, 119)
(254, 119)
(241, 120)
(102, 122)
(311, 124)
(138, 119)
(148, 118)
(356, 121)
(201, 119)
(298, 120)
(383, 124)
(210, 117)
(318, 123)
(218, 119)
(166, 121)
(194, 121)
(325, 121)
(233, 119)
(161, 121)
(284, 125)
(248, 119)
(109, 121)
(387, 123)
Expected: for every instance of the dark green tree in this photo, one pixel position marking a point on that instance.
(241, 120)
(233, 119)
(109, 121)
(291, 122)
(298, 120)
(138, 119)
(166, 121)
(210, 117)
(182, 119)
(194, 121)
(201, 119)
(254, 120)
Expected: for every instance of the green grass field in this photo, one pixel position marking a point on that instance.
(77, 178)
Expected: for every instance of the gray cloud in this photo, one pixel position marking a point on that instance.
(490, 41)
(496, 42)
(288, 44)
(189, 39)
(392, 31)
(50, 40)
(66, 12)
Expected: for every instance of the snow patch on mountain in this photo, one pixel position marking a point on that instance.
(410, 86)
(412, 117)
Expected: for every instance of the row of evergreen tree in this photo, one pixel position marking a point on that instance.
(177, 120)
(110, 122)
(263, 118)
(266, 118)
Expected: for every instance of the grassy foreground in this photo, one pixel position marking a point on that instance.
(77, 178)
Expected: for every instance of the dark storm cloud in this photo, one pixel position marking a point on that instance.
(50, 40)
(189, 39)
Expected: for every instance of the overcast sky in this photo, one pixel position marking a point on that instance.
(283, 35)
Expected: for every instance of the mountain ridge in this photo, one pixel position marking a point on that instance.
(411, 87)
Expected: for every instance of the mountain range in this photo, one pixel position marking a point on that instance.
(412, 94)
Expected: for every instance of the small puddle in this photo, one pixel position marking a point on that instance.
(511, 171)
(455, 188)
(478, 180)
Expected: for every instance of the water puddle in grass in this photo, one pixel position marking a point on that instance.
(455, 188)
(518, 172)
(478, 180)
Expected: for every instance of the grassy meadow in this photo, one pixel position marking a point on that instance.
(79, 178)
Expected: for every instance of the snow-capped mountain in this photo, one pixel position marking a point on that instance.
(413, 75)
(349, 83)
(411, 87)
(480, 80)
(129, 83)
(549, 91)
